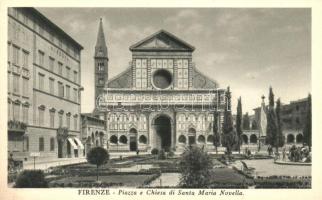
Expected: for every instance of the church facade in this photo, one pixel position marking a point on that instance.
(160, 101)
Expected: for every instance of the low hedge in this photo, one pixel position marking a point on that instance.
(82, 172)
(141, 172)
(86, 184)
(162, 170)
(215, 185)
(222, 185)
(282, 182)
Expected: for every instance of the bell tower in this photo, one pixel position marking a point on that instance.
(100, 61)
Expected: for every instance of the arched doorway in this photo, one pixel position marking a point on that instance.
(133, 139)
(93, 139)
(182, 139)
(162, 125)
(299, 138)
(201, 139)
(290, 138)
(253, 139)
(210, 139)
(191, 136)
(143, 139)
(244, 139)
(101, 139)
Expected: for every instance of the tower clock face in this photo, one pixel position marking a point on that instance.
(162, 79)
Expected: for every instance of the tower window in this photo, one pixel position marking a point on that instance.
(100, 66)
(101, 81)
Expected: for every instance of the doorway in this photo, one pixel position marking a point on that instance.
(162, 125)
(191, 136)
(133, 139)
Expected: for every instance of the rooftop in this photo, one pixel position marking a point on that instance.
(53, 25)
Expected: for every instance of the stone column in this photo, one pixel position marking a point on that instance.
(148, 130)
(174, 129)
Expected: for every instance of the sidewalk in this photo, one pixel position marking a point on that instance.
(57, 162)
(45, 164)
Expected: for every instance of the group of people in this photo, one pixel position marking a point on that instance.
(295, 154)
(299, 154)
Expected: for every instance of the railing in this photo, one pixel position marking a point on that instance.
(18, 126)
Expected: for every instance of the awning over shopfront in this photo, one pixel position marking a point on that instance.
(79, 143)
(71, 141)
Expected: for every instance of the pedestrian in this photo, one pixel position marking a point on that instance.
(284, 153)
(249, 153)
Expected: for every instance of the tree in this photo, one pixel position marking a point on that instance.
(307, 131)
(196, 168)
(97, 156)
(254, 125)
(271, 130)
(239, 119)
(279, 137)
(216, 132)
(246, 122)
(31, 179)
(229, 136)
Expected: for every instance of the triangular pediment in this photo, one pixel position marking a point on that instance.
(162, 41)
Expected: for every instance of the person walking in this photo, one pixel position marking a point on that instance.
(284, 153)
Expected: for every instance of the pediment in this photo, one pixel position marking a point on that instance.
(162, 41)
(123, 80)
(201, 81)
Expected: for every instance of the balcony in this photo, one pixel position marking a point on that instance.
(17, 126)
(62, 133)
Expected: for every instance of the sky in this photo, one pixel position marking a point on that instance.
(248, 49)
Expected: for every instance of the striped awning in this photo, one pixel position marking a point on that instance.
(71, 141)
(79, 143)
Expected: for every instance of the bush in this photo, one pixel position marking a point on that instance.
(12, 177)
(161, 155)
(97, 156)
(171, 154)
(31, 179)
(196, 168)
(155, 151)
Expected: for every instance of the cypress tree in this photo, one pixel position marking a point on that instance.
(307, 131)
(254, 125)
(271, 130)
(229, 136)
(239, 119)
(279, 137)
(216, 132)
(246, 122)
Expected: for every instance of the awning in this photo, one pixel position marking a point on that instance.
(71, 141)
(79, 143)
